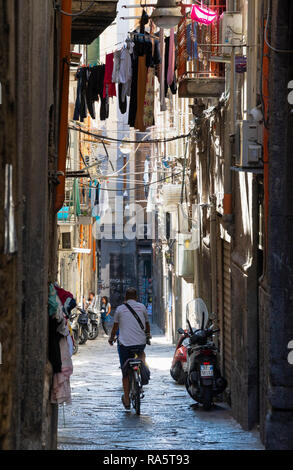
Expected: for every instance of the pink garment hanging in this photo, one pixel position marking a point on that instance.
(202, 15)
(171, 60)
(61, 392)
(108, 77)
(163, 106)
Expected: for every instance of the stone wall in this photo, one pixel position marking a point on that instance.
(29, 76)
(276, 293)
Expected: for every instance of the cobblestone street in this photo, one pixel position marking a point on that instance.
(169, 418)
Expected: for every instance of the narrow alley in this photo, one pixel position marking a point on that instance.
(169, 418)
(146, 162)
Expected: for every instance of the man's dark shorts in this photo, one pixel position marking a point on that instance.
(128, 352)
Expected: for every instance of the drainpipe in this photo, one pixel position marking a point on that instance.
(227, 203)
(265, 92)
(213, 250)
(66, 22)
(231, 5)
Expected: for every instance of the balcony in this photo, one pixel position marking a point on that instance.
(88, 26)
(199, 76)
(201, 87)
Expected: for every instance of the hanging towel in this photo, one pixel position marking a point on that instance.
(116, 66)
(171, 62)
(173, 85)
(141, 89)
(109, 86)
(163, 106)
(61, 392)
(202, 15)
(148, 115)
(125, 72)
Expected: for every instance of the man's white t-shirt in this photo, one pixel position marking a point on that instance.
(130, 333)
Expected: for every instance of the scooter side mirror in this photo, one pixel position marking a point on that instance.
(181, 331)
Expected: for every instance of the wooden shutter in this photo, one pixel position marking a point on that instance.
(227, 309)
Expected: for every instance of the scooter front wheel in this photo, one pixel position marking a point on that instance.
(75, 342)
(83, 336)
(93, 332)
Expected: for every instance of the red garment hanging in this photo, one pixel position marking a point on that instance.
(108, 76)
(203, 15)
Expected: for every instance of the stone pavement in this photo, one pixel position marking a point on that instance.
(169, 418)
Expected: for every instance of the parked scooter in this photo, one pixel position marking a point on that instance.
(93, 328)
(178, 369)
(79, 325)
(204, 380)
(75, 330)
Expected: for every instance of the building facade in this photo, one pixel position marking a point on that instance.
(238, 159)
(34, 38)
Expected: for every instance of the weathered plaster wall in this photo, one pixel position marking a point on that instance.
(276, 293)
(28, 141)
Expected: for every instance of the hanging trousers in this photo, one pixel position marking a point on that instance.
(141, 89)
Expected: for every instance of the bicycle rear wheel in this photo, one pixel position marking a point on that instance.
(137, 398)
(135, 391)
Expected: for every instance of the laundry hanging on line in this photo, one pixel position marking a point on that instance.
(132, 69)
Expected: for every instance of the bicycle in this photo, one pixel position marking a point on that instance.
(135, 380)
(136, 390)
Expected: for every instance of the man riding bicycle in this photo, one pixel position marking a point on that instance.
(131, 318)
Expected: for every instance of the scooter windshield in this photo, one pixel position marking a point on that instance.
(197, 314)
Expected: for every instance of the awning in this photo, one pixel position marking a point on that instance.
(88, 26)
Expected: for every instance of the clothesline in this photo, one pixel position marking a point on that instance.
(148, 35)
(129, 74)
(139, 185)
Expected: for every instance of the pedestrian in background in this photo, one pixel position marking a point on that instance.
(105, 312)
(89, 304)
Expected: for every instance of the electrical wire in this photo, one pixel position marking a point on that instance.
(283, 51)
(151, 141)
(57, 7)
(108, 157)
(84, 162)
(265, 120)
(139, 186)
(184, 169)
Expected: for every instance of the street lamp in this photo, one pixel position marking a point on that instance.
(166, 14)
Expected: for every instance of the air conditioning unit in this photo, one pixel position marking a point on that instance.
(230, 31)
(248, 145)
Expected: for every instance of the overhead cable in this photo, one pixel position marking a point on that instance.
(140, 186)
(283, 51)
(113, 139)
(57, 7)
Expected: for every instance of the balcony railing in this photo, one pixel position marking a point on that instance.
(198, 74)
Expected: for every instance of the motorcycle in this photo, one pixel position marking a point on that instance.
(204, 380)
(93, 328)
(75, 330)
(178, 369)
(79, 325)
